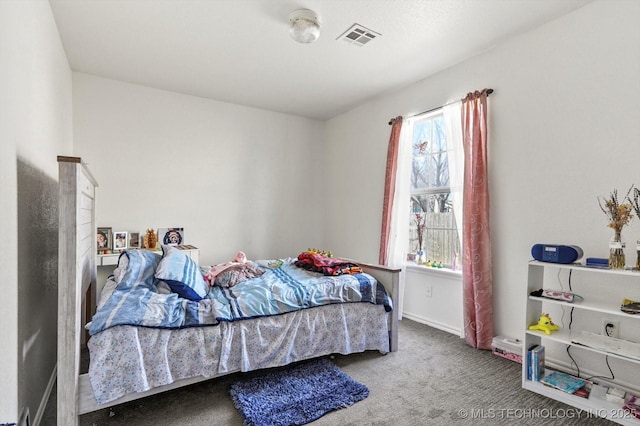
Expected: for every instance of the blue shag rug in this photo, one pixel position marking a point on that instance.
(296, 395)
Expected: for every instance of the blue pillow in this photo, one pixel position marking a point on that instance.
(182, 274)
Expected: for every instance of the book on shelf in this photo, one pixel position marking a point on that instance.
(528, 361)
(633, 407)
(563, 381)
(584, 391)
(535, 363)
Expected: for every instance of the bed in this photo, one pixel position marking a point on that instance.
(180, 338)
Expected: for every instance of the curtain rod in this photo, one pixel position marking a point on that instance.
(489, 91)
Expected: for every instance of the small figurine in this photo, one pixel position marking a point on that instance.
(150, 239)
(544, 324)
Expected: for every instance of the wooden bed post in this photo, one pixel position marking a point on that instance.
(76, 274)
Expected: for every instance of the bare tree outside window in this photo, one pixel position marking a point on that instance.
(430, 193)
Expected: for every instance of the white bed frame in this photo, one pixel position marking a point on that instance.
(77, 280)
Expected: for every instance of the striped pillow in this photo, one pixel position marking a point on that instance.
(182, 274)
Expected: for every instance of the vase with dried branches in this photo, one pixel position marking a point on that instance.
(421, 223)
(635, 204)
(619, 215)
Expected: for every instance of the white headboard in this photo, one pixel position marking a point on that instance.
(76, 275)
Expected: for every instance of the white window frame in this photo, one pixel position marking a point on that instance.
(447, 261)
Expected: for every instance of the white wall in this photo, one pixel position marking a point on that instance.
(236, 178)
(434, 297)
(564, 129)
(35, 127)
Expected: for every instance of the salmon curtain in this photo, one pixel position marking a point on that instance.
(389, 188)
(477, 276)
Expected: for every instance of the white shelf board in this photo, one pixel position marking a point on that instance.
(594, 406)
(595, 306)
(581, 267)
(564, 337)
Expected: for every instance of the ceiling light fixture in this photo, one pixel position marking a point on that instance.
(304, 26)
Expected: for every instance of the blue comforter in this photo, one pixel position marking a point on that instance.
(140, 299)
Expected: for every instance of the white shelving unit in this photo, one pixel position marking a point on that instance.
(590, 305)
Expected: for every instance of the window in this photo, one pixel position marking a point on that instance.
(432, 217)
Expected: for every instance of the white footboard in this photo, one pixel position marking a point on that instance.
(390, 278)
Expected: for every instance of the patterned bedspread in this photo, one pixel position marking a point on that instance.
(142, 300)
(155, 357)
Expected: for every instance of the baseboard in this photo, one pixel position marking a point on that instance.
(434, 324)
(45, 398)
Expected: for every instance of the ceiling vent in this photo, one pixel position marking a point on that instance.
(358, 35)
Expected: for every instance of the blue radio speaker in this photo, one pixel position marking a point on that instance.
(556, 253)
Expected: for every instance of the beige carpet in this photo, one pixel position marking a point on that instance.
(434, 379)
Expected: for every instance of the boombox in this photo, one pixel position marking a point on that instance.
(556, 253)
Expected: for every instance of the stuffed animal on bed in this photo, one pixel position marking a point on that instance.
(231, 273)
(544, 324)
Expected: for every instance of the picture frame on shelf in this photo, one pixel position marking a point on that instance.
(171, 236)
(104, 238)
(134, 240)
(120, 240)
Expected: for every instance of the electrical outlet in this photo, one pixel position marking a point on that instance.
(427, 291)
(610, 328)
